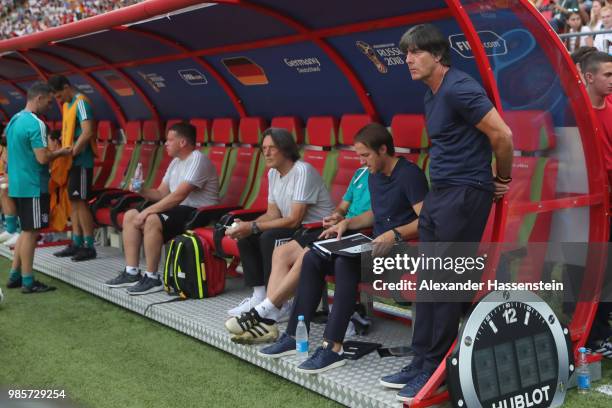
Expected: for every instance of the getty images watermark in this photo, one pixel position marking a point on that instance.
(456, 272)
(458, 265)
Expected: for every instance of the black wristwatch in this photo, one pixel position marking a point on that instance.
(398, 236)
(255, 229)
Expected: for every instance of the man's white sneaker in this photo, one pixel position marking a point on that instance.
(244, 306)
(12, 241)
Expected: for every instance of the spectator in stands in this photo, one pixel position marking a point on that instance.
(465, 129)
(28, 185)
(561, 10)
(603, 42)
(259, 324)
(28, 16)
(595, 18)
(597, 70)
(296, 195)
(397, 190)
(190, 182)
(78, 126)
(577, 24)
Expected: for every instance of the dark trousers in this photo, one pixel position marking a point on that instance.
(453, 214)
(310, 288)
(256, 254)
(600, 330)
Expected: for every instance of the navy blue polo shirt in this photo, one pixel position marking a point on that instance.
(392, 197)
(460, 154)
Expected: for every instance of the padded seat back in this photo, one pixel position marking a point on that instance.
(257, 197)
(350, 124)
(106, 150)
(243, 164)
(348, 163)
(150, 151)
(119, 177)
(321, 136)
(223, 134)
(202, 131)
(250, 130)
(410, 138)
(293, 124)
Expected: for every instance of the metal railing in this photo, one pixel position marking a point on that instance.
(593, 33)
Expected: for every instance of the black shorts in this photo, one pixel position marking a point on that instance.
(33, 212)
(79, 183)
(173, 221)
(305, 237)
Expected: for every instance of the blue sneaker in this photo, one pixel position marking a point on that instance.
(284, 346)
(322, 360)
(401, 378)
(411, 389)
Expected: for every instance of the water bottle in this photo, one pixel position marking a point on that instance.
(583, 375)
(301, 339)
(137, 179)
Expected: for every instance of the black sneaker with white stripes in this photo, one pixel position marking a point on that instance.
(145, 286)
(250, 328)
(238, 325)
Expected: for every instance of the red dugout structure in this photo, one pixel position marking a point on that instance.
(161, 60)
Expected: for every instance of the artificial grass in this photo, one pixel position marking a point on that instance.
(105, 356)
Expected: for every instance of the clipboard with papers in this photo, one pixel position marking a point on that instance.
(351, 245)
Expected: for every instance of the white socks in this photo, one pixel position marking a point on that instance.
(131, 270)
(152, 275)
(267, 310)
(259, 293)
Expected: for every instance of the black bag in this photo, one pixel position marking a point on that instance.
(191, 270)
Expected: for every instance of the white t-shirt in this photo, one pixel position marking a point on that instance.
(302, 184)
(576, 42)
(198, 171)
(603, 42)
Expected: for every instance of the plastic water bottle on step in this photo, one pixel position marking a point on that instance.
(137, 180)
(301, 339)
(583, 375)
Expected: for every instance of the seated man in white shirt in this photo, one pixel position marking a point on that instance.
(190, 182)
(296, 195)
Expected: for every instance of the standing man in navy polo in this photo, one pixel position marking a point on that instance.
(465, 129)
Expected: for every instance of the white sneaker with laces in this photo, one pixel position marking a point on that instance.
(244, 306)
(12, 241)
(5, 235)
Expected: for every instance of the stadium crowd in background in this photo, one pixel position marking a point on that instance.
(21, 17)
(579, 16)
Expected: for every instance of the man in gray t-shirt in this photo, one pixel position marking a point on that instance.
(190, 182)
(302, 184)
(198, 171)
(296, 196)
